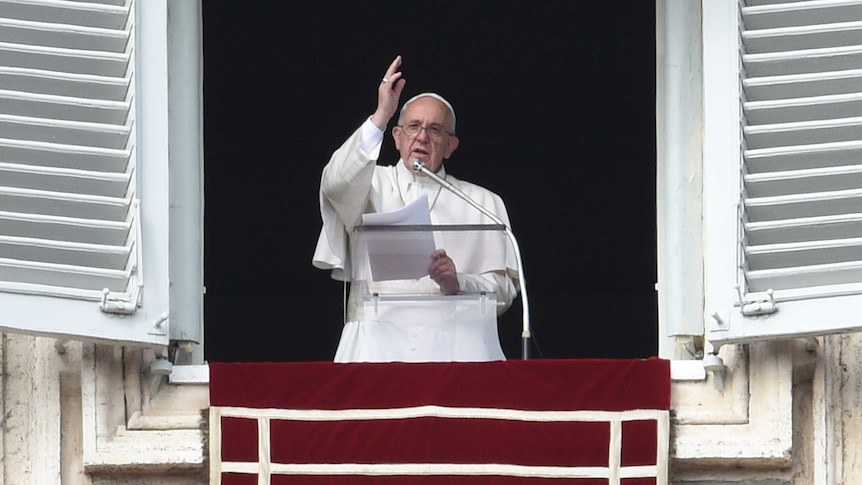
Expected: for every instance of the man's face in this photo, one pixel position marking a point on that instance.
(432, 143)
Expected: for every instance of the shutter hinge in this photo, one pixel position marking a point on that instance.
(119, 303)
(754, 307)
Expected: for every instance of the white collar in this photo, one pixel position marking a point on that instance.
(404, 177)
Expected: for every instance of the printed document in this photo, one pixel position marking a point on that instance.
(395, 254)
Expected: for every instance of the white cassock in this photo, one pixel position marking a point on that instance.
(352, 184)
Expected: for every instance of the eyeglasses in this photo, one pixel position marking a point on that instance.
(435, 132)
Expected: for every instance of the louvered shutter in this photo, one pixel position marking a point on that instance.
(71, 250)
(800, 214)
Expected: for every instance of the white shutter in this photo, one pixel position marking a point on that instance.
(800, 214)
(70, 226)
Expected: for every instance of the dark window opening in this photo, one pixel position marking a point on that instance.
(556, 113)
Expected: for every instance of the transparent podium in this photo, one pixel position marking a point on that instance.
(399, 313)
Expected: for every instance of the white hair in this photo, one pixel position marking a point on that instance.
(429, 95)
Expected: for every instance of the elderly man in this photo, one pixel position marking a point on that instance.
(353, 184)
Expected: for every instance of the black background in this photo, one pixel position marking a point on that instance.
(556, 113)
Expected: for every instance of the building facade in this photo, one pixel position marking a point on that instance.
(758, 187)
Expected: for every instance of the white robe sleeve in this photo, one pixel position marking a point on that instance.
(345, 187)
(492, 282)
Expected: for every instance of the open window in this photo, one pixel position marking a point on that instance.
(88, 172)
(782, 169)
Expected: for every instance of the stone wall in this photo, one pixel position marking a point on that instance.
(82, 414)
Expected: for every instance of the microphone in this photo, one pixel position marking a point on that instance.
(419, 166)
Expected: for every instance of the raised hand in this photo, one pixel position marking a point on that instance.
(388, 95)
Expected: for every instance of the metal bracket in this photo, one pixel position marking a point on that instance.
(119, 303)
(757, 307)
(160, 325)
(715, 364)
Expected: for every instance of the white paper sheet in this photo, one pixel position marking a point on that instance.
(395, 255)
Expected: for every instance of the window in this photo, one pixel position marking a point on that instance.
(782, 115)
(86, 174)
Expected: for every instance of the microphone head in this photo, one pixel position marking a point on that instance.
(418, 165)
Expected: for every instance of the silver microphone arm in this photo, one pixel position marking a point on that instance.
(526, 335)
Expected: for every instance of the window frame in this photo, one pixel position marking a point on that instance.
(797, 316)
(752, 404)
(168, 149)
(70, 317)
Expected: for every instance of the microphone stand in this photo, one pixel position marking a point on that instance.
(418, 166)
